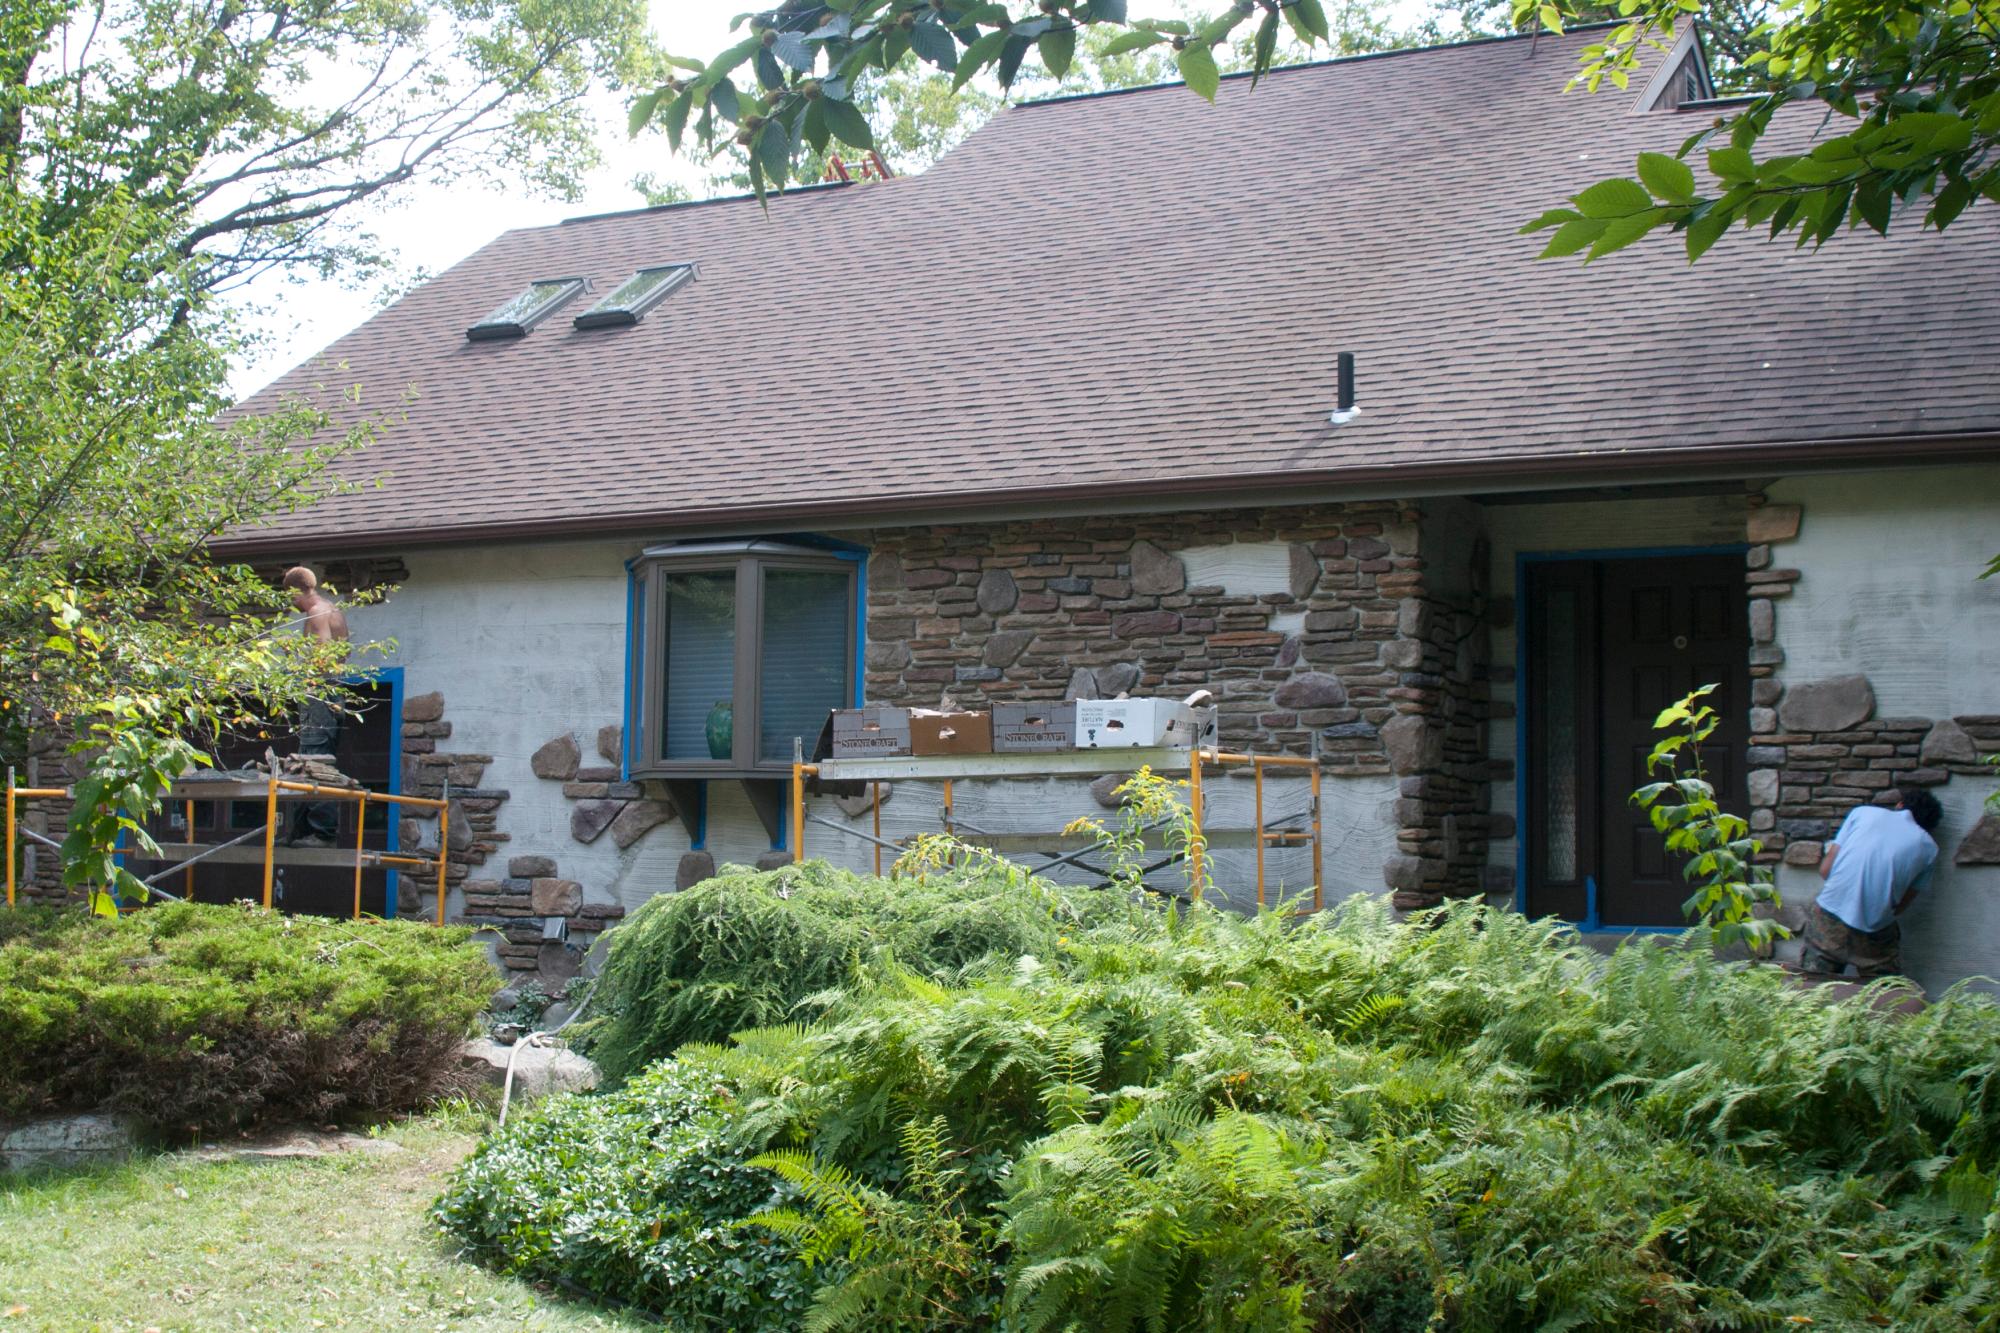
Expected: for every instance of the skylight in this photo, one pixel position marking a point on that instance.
(635, 296)
(530, 308)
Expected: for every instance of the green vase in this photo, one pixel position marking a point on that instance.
(721, 730)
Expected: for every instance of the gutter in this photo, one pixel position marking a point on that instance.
(1390, 481)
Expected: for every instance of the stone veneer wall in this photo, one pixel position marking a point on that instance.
(1356, 659)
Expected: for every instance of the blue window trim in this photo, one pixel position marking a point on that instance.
(843, 550)
(1592, 922)
(393, 677)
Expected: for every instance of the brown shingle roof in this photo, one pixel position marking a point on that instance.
(1139, 292)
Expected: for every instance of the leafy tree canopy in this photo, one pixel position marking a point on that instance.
(1910, 90)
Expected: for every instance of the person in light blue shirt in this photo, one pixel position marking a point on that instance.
(1874, 868)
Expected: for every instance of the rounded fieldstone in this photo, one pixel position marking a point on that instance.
(1304, 572)
(694, 868)
(1117, 679)
(997, 592)
(1156, 573)
(1006, 647)
(1834, 704)
(775, 859)
(1412, 744)
(1981, 846)
(1105, 790)
(611, 743)
(1949, 743)
(1313, 689)
(423, 707)
(558, 760)
(1082, 684)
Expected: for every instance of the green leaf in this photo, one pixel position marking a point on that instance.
(675, 121)
(1669, 178)
(1135, 40)
(977, 56)
(1197, 67)
(1555, 217)
(725, 102)
(773, 151)
(1614, 198)
(642, 111)
(931, 42)
(1058, 48)
(1263, 47)
(812, 125)
(1308, 20)
(1705, 231)
(847, 123)
(1011, 56)
(1572, 237)
(1732, 164)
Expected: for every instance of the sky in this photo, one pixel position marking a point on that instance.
(432, 228)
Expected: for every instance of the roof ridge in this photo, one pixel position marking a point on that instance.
(1433, 48)
(814, 187)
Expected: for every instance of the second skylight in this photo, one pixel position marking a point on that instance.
(635, 296)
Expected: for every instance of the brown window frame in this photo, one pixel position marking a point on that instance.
(750, 562)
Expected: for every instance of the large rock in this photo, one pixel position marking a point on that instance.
(997, 592)
(1949, 743)
(65, 1140)
(1105, 790)
(1304, 572)
(558, 760)
(638, 819)
(423, 707)
(1834, 704)
(611, 744)
(775, 859)
(1413, 745)
(589, 819)
(555, 897)
(1314, 689)
(1116, 679)
(1155, 573)
(531, 867)
(1082, 684)
(461, 827)
(1763, 784)
(1773, 523)
(1763, 620)
(693, 869)
(538, 1070)
(1006, 647)
(1981, 846)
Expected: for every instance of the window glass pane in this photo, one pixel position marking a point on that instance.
(700, 652)
(805, 658)
(1557, 707)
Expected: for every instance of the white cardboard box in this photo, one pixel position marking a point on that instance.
(1122, 724)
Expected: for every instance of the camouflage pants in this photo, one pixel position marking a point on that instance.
(1831, 944)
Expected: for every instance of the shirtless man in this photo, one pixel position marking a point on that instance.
(319, 728)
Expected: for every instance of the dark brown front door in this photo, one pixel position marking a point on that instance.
(1610, 644)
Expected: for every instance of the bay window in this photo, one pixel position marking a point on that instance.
(739, 648)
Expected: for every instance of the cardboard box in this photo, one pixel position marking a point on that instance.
(1115, 724)
(870, 733)
(932, 732)
(1034, 728)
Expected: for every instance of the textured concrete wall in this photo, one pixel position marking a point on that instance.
(1888, 589)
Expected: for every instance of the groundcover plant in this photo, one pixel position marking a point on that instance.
(1172, 1118)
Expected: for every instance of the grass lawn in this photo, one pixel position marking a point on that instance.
(174, 1243)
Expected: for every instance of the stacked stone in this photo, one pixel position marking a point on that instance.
(475, 810)
(627, 810)
(518, 906)
(1094, 607)
(1820, 753)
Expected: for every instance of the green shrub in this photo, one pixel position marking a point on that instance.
(632, 1195)
(186, 1016)
(1470, 1122)
(744, 949)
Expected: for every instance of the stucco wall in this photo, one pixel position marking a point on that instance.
(1888, 589)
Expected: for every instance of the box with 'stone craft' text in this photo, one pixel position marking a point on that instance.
(874, 732)
(1034, 728)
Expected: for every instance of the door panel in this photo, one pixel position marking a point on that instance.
(1670, 625)
(1610, 644)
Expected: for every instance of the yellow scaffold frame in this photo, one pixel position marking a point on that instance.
(272, 791)
(945, 770)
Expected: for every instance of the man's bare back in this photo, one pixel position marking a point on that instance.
(323, 620)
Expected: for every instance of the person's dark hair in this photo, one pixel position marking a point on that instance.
(1923, 807)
